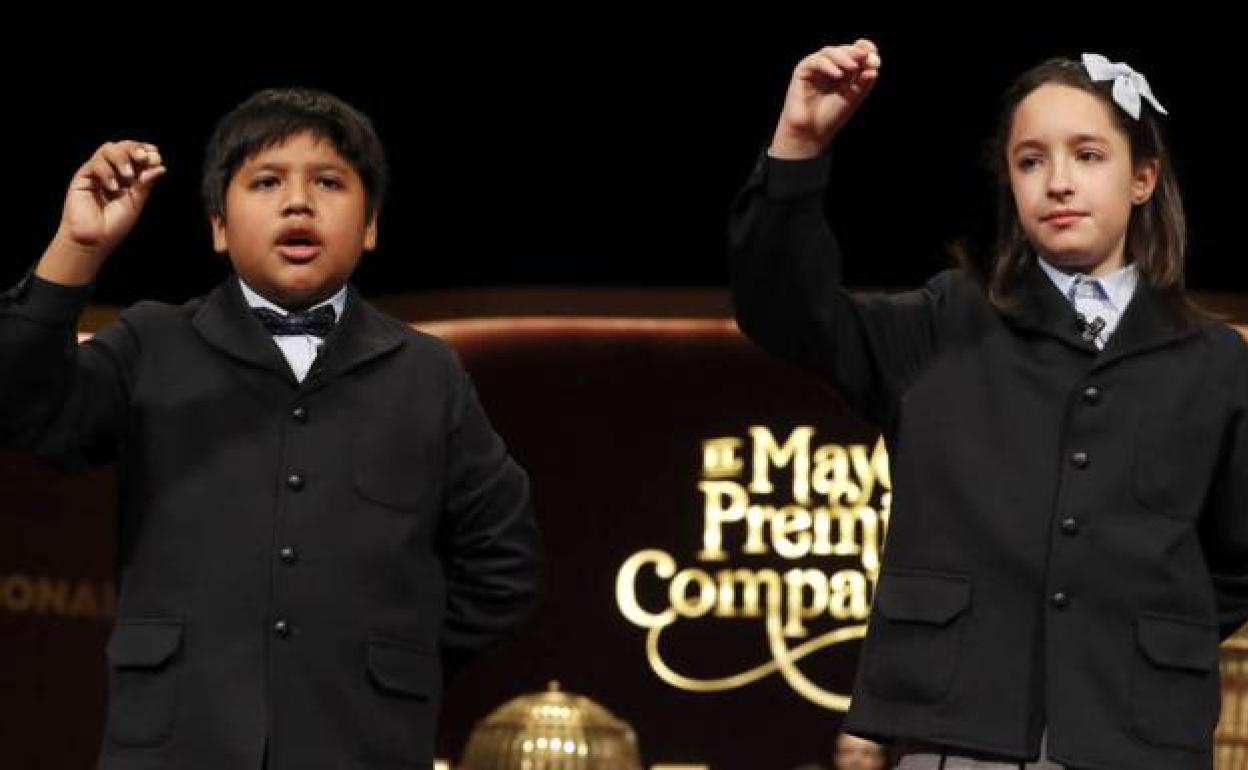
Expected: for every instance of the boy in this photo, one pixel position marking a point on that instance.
(315, 513)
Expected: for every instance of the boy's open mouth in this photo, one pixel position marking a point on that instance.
(299, 245)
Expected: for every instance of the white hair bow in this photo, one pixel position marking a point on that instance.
(1129, 85)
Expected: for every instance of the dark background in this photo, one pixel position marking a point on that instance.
(571, 150)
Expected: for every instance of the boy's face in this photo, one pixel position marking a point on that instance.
(1073, 179)
(294, 223)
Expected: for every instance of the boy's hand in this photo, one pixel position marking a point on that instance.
(104, 201)
(108, 193)
(827, 87)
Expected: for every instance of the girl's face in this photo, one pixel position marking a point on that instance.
(1073, 180)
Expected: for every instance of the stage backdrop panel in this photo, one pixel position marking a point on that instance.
(713, 519)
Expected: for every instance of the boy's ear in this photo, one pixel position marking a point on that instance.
(219, 244)
(370, 233)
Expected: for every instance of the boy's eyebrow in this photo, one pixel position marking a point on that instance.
(272, 165)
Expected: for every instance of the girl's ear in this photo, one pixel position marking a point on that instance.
(1144, 181)
(370, 233)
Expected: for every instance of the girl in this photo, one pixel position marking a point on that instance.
(1069, 437)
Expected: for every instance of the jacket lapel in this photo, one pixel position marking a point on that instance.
(1144, 324)
(226, 322)
(362, 335)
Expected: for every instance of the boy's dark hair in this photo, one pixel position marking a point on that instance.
(1156, 239)
(269, 117)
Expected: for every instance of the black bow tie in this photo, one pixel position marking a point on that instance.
(318, 322)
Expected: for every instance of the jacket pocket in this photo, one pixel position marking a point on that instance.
(915, 640)
(1173, 466)
(143, 657)
(405, 681)
(1177, 688)
(395, 469)
(404, 669)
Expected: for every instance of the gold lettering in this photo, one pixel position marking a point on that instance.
(848, 597)
(718, 513)
(60, 597)
(796, 450)
(51, 596)
(831, 475)
(751, 585)
(696, 606)
(796, 582)
(852, 523)
(719, 457)
(789, 520)
(84, 604)
(756, 518)
(18, 593)
(626, 587)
